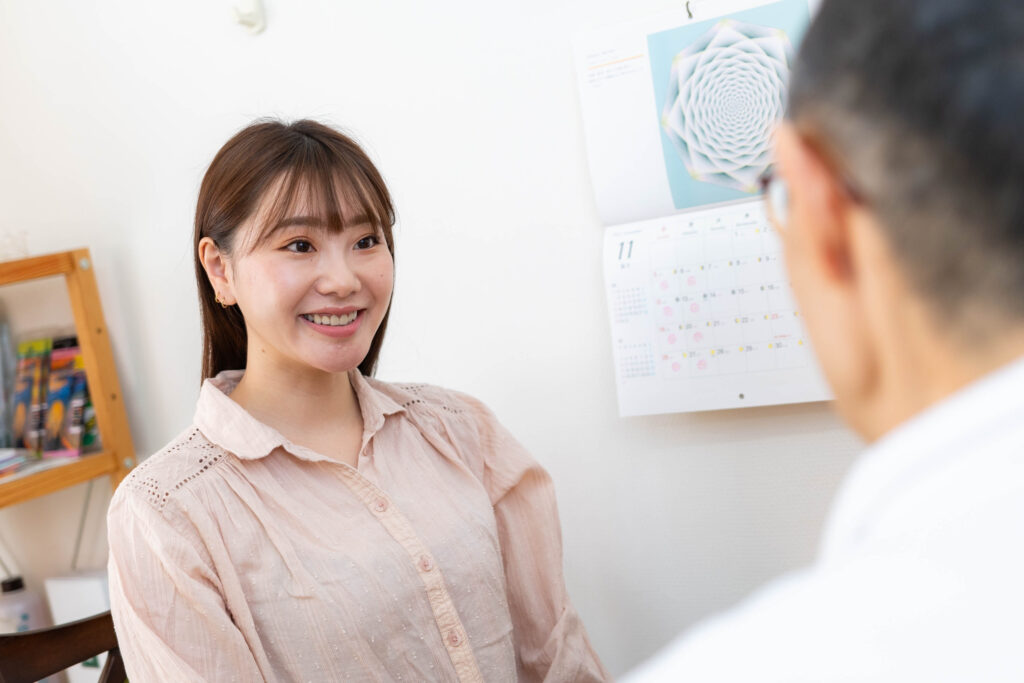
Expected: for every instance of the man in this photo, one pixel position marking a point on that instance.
(900, 203)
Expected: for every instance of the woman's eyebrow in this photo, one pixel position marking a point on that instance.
(317, 222)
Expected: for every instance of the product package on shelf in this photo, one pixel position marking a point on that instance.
(8, 370)
(52, 413)
(90, 428)
(65, 400)
(30, 394)
(11, 460)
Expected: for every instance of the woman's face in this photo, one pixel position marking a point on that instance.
(312, 298)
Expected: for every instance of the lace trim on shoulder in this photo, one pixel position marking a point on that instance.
(155, 489)
(427, 394)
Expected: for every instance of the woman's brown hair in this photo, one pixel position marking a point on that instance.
(300, 160)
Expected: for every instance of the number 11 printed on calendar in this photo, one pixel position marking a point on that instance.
(678, 116)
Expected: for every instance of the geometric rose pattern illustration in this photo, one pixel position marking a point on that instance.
(726, 92)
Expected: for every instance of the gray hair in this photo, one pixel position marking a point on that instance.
(919, 104)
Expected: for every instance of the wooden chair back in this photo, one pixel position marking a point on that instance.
(32, 655)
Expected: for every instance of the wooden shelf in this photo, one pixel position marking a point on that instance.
(62, 473)
(36, 267)
(118, 455)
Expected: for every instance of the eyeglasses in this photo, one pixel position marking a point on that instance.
(776, 195)
(776, 191)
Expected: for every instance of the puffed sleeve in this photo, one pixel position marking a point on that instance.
(551, 642)
(165, 597)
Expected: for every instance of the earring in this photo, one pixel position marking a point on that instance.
(216, 297)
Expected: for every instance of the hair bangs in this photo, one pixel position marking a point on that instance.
(325, 188)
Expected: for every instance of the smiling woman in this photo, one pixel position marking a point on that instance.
(314, 523)
(275, 184)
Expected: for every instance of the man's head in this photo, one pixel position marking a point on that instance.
(903, 151)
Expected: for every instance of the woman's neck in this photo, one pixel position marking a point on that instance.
(309, 407)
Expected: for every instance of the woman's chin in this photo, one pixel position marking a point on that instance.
(336, 365)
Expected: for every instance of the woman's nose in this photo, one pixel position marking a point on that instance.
(337, 277)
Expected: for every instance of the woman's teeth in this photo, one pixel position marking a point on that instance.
(331, 319)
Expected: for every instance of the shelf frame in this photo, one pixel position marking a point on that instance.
(118, 455)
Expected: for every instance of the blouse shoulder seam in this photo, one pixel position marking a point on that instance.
(426, 397)
(159, 478)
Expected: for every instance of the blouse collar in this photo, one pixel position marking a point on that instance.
(229, 426)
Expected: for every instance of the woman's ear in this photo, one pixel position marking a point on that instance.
(218, 270)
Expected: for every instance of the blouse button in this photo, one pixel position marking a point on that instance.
(426, 564)
(454, 638)
(380, 505)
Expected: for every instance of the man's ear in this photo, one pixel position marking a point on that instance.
(218, 270)
(820, 209)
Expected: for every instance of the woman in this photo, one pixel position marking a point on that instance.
(314, 523)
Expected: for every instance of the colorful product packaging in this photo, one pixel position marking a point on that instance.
(65, 400)
(30, 394)
(8, 369)
(90, 428)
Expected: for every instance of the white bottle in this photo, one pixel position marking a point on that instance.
(20, 608)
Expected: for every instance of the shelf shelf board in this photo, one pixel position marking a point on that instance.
(36, 267)
(33, 482)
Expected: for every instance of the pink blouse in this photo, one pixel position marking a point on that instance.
(236, 555)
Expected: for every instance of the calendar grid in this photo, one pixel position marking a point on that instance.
(704, 296)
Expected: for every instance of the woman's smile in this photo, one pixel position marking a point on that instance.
(334, 324)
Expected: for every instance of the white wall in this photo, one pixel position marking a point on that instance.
(110, 113)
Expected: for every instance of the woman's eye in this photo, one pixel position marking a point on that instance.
(368, 242)
(300, 246)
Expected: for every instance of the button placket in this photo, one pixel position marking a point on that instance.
(453, 635)
(455, 638)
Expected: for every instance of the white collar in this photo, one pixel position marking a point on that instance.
(939, 436)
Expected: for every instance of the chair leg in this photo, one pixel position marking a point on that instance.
(113, 670)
